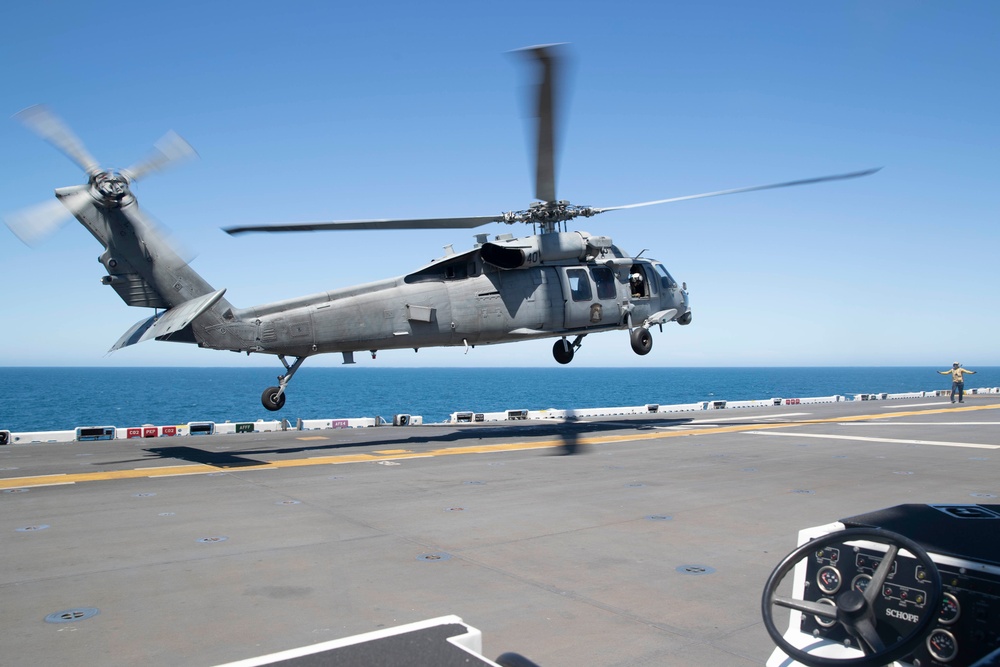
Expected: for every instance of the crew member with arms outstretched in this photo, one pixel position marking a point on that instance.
(957, 380)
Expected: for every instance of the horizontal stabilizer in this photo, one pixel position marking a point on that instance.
(133, 335)
(169, 322)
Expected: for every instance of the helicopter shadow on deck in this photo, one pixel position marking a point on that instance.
(572, 435)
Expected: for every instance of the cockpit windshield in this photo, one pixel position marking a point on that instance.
(666, 280)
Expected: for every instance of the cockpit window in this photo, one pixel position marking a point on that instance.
(652, 278)
(665, 278)
(579, 284)
(604, 278)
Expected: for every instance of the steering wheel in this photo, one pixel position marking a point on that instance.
(854, 610)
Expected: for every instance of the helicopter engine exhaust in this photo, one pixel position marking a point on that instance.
(537, 250)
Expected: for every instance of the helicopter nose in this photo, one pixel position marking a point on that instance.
(684, 307)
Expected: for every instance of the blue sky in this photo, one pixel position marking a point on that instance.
(307, 111)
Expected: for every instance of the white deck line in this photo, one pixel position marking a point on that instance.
(936, 443)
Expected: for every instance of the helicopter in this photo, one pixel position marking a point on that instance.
(555, 283)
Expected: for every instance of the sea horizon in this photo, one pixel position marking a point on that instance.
(65, 397)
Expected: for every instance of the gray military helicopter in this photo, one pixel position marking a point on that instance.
(555, 283)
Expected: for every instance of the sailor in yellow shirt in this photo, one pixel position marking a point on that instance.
(957, 380)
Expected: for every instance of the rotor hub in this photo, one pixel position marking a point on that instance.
(111, 185)
(548, 214)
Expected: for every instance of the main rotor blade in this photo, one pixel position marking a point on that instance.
(346, 225)
(35, 223)
(169, 149)
(805, 181)
(50, 127)
(546, 105)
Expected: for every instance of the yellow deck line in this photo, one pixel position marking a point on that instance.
(200, 469)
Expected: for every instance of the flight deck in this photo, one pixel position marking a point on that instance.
(631, 540)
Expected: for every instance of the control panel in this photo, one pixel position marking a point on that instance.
(964, 543)
(967, 626)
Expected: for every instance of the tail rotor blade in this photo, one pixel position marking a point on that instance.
(35, 223)
(172, 148)
(52, 129)
(159, 242)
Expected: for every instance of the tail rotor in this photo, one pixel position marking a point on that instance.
(105, 187)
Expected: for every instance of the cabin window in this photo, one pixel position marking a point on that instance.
(604, 278)
(579, 284)
(666, 280)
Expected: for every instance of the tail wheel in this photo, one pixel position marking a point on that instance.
(642, 341)
(273, 399)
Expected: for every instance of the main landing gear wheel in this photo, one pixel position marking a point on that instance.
(855, 610)
(642, 341)
(273, 398)
(562, 351)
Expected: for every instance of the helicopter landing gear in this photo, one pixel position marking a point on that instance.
(273, 398)
(563, 350)
(642, 340)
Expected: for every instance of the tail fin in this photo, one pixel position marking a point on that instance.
(145, 270)
(143, 267)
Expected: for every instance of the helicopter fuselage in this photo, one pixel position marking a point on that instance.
(562, 285)
(464, 300)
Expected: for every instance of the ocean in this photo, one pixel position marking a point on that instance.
(49, 399)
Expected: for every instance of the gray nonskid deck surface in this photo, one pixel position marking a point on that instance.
(649, 545)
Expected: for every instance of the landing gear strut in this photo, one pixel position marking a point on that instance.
(273, 398)
(563, 350)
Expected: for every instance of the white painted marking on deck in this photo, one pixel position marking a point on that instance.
(35, 486)
(748, 418)
(56, 474)
(937, 443)
(895, 423)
